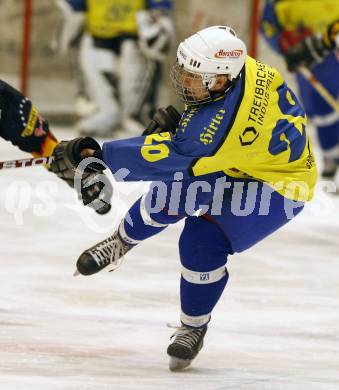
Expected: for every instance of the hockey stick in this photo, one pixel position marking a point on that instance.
(323, 92)
(26, 162)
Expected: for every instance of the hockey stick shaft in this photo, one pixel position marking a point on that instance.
(323, 92)
(26, 162)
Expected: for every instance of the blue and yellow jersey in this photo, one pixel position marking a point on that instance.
(110, 18)
(285, 22)
(257, 130)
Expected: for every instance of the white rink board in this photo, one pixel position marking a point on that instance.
(276, 326)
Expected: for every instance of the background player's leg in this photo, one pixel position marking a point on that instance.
(329, 141)
(139, 83)
(321, 114)
(100, 70)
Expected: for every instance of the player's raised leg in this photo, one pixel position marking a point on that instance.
(111, 250)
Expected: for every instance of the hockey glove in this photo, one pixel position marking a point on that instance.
(164, 119)
(313, 49)
(91, 184)
(156, 33)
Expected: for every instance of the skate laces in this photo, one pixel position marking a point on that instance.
(109, 251)
(187, 337)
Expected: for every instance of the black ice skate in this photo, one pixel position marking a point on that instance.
(99, 256)
(185, 347)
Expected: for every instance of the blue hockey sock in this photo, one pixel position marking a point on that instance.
(140, 223)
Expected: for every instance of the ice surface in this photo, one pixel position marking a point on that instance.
(276, 326)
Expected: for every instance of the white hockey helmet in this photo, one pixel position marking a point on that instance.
(210, 52)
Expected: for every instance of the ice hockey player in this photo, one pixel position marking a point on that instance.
(24, 127)
(241, 140)
(306, 33)
(122, 55)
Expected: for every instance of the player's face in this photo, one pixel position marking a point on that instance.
(193, 85)
(189, 86)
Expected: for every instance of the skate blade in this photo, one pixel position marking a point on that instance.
(176, 364)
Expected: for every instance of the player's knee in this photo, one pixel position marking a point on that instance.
(203, 246)
(154, 211)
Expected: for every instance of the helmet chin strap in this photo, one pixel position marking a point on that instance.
(209, 80)
(217, 94)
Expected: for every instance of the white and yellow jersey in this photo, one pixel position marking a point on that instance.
(109, 18)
